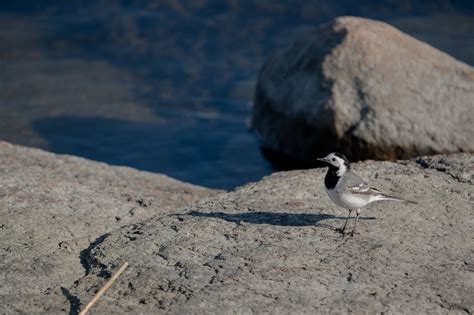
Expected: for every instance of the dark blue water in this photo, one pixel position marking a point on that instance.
(167, 86)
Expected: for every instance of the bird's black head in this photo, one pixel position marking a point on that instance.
(337, 162)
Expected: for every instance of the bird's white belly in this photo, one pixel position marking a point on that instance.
(348, 201)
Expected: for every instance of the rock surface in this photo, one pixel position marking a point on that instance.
(53, 208)
(363, 88)
(271, 247)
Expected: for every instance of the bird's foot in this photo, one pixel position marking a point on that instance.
(343, 233)
(340, 230)
(354, 233)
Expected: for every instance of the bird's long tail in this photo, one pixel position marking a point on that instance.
(388, 197)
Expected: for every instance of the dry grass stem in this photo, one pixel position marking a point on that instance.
(103, 289)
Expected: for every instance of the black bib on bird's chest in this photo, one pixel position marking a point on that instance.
(331, 179)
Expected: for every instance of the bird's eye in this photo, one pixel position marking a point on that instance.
(333, 159)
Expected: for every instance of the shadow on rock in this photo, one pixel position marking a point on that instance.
(282, 219)
(74, 301)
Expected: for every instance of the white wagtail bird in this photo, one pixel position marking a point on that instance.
(346, 189)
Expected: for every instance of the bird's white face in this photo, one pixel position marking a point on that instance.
(338, 161)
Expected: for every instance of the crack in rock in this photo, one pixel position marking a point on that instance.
(88, 261)
(463, 173)
(74, 301)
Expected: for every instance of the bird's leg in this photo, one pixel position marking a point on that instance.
(355, 224)
(345, 223)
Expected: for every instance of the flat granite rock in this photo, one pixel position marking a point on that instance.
(271, 247)
(54, 208)
(365, 89)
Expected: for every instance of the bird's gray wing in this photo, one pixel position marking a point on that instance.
(364, 189)
(351, 182)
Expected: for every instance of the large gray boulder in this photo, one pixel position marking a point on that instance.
(53, 208)
(270, 248)
(363, 88)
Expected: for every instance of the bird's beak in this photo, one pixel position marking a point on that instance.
(322, 160)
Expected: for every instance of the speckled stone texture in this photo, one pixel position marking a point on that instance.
(363, 88)
(271, 247)
(54, 208)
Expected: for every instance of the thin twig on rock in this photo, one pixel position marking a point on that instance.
(104, 288)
